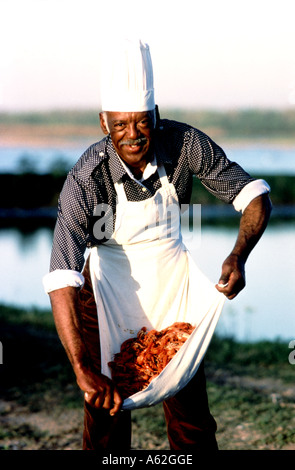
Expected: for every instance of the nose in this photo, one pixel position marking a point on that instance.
(132, 131)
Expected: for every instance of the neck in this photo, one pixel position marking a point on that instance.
(137, 170)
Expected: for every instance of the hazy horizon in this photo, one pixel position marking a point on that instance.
(206, 55)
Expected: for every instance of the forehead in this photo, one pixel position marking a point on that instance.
(127, 116)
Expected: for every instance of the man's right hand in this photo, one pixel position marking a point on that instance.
(100, 391)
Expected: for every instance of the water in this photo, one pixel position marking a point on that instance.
(256, 159)
(40, 160)
(263, 310)
(264, 160)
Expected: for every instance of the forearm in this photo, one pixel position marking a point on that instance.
(101, 392)
(66, 317)
(252, 225)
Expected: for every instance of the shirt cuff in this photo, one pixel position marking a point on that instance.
(250, 192)
(62, 278)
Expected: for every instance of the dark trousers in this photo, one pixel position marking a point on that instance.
(190, 426)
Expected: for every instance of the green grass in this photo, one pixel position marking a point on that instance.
(30, 335)
(269, 422)
(36, 373)
(34, 361)
(260, 359)
(39, 319)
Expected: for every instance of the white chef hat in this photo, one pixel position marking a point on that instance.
(127, 82)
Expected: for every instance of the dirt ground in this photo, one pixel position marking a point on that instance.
(55, 428)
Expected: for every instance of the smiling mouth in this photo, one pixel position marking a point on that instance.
(134, 143)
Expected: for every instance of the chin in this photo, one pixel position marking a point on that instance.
(135, 157)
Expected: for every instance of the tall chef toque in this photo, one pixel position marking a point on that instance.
(127, 83)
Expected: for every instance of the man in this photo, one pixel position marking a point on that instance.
(135, 271)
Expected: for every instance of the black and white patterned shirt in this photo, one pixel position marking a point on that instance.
(184, 151)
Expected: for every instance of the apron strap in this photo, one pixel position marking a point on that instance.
(163, 175)
(119, 187)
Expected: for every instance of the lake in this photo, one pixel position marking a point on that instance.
(254, 158)
(263, 310)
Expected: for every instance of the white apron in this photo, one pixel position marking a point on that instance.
(144, 276)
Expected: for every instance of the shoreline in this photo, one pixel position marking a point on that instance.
(64, 127)
(209, 213)
(53, 140)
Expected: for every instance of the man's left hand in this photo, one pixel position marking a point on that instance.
(232, 279)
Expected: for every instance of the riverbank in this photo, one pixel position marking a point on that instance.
(31, 191)
(250, 389)
(76, 127)
(34, 218)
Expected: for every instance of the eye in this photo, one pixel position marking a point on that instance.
(145, 122)
(119, 125)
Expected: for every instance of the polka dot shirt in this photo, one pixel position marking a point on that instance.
(184, 151)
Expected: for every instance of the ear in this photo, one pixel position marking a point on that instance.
(103, 124)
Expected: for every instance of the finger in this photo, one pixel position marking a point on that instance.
(234, 286)
(227, 288)
(90, 397)
(108, 401)
(226, 293)
(117, 403)
(230, 297)
(94, 399)
(223, 280)
(99, 402)
(224, 277)
(222, 285)
(224, 288)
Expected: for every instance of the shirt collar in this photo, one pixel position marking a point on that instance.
(149, 170)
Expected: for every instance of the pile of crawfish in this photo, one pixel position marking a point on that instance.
(142, 358)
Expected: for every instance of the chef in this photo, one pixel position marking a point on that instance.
(116, 202)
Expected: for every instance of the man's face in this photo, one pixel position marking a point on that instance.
(131, 134)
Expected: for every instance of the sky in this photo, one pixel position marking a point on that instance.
(210, 54)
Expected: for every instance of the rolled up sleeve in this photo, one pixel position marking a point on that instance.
(249, 192)
(62, 278)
